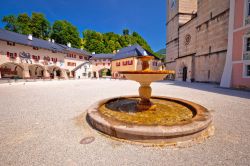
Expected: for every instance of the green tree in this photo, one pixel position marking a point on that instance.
(93, 41)
(125, 32)
(24, 24)
(108, 42)
(64, 32)
(37, 25)
(40, 26)
(142, 42)
(11, 23)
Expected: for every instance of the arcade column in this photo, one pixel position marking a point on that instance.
(46, 74)
(26, 72)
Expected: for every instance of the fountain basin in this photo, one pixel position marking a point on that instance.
(194, 126)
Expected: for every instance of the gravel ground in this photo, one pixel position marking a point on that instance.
(41, 123)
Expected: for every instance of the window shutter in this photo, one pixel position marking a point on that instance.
(15, 55)
(8, 54)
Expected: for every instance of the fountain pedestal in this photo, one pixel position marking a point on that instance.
(145, 94)
(145, 77)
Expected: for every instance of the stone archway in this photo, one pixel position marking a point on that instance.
(11, 70)
(55, 72)
(36, 71)
(104, 72)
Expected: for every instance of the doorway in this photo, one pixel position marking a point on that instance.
(184, 75)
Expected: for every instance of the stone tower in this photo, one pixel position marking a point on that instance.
(179, 12)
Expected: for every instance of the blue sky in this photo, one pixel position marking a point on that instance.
(147, 17)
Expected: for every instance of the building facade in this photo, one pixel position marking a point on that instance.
(237, 69)
(197, 39)
(23, 56)
(83, 70)
(101, 65)
(128, 59)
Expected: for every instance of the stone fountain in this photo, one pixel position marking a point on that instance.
(150, 119)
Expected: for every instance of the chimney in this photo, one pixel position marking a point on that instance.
(53, 41)
(145, 53)
(69, 44)
(49, 40)
(93, 52)
(118, 50)
(30, 36)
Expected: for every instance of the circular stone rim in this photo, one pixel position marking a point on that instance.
(123, 130)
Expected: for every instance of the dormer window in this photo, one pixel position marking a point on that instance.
(54, 51)
(10, 43)
(35, 48)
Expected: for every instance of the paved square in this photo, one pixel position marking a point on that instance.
(41, 124)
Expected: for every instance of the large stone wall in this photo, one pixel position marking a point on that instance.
(209, 68)
(212, 36)
(187, 45)
(208, 8)
(201, 42)
(177, 16)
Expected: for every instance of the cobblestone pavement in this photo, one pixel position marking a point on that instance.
(42, 123)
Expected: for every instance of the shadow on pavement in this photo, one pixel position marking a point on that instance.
(209, 87)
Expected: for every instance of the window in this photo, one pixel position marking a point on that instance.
(131, 62)
(248, 44)
(80, 57)
(46, 58)
(248, 8)
(35, 48)
(36, 58)
(103, 64)
(248, 70)
(54, 60)
(155, 63)
(71, 64)
(12, 55)
(10, 43)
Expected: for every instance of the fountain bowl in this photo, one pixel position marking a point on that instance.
(198, 126)
(146, 75)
